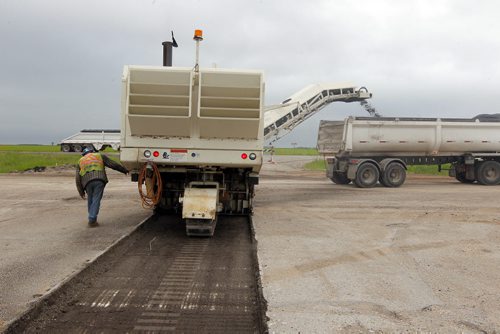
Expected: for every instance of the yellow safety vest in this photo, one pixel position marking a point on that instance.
(90, 162)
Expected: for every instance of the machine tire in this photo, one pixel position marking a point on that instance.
(77, 148)
(65, 148)
(488, 173)
(394, 175)
(367, 175)
(340, 178)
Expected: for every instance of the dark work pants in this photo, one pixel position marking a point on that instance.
(95, 190)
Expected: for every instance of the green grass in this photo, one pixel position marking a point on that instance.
(30, 148)
(319, 164)
(15, 161)
(295, 151)
(428, 169)
(18, 161)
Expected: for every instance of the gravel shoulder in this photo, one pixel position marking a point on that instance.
(44, 236)
(423, 257)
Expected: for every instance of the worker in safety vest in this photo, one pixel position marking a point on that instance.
(91, 179)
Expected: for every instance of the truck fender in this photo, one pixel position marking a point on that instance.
(354, 164)
(384, 163)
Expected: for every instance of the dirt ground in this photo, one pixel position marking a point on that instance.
(423, 257)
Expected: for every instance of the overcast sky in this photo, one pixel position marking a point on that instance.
(61, 61)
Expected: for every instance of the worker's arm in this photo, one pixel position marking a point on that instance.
(78, 181)
(113, 164)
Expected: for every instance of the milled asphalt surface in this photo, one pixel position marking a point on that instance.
(44, 236)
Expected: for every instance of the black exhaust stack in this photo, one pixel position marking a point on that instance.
(167, 51)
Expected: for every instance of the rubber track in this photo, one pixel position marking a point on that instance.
(159, 281)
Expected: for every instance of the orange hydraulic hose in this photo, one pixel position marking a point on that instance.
(151, 177)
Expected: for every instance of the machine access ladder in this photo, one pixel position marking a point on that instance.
(281, 119)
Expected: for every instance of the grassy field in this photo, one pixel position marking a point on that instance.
(295, 151)
(29, 148)
(319, 164)
(430, 169)
(15, 161)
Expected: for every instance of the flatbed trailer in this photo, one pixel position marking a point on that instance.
(366, 150)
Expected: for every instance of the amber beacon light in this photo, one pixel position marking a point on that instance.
(198, 35)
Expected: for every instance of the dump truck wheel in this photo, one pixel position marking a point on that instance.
(488, 173)
(394, 175)
(367, 175)
(65, 148)
(77, 148)
(340, 178)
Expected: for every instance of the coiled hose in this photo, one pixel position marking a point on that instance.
(150, 176)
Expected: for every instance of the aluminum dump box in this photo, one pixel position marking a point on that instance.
(408, 136)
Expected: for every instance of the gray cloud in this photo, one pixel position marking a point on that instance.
(61, 61)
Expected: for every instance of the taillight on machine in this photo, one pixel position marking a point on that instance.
(251, 156)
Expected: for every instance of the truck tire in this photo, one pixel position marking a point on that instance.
(488, 173)
(65, 148)
(367, 175)
(77, 148)
(340, 178)
(394, 175)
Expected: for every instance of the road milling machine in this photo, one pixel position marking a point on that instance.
(193, 137)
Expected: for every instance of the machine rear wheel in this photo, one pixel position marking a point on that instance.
(367, 175)
(340, 178)
(77, 148)
(488, 173)
(394, 175)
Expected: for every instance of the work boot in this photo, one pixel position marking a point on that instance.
(93, 224)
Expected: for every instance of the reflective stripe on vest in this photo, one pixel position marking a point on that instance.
(90, 162)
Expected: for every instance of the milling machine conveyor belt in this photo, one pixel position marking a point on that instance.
(281, 119)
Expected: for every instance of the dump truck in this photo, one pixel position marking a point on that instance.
(193, 138)
(367, 150)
